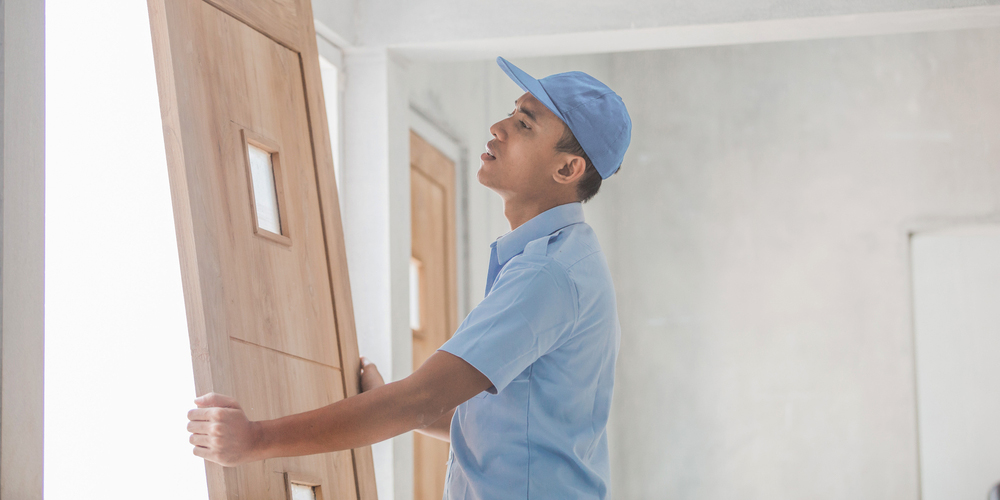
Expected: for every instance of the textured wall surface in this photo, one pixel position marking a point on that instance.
(760, 252)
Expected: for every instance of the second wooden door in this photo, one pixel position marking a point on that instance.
(434, 316)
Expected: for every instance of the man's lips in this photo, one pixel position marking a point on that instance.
(489, 155)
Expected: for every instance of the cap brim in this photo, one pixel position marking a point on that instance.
(529, 84)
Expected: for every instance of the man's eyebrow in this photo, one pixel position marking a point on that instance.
(526, 111)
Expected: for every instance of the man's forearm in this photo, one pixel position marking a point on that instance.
(441, 428)
(354, 422)
(443, 382)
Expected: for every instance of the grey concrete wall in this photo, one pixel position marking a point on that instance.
(758, 238)
(760, 252)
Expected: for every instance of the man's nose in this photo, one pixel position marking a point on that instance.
(497, 129)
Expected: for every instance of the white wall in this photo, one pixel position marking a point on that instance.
(760, 256)
(375, 201)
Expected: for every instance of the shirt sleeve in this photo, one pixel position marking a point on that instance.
(530, 312)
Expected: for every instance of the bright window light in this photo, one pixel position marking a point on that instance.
(118, 376)
(415, 294)
(330, 75)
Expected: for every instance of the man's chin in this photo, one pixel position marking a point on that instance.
(487, 176)
(482, 176)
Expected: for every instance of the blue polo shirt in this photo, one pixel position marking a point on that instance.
(546, 336)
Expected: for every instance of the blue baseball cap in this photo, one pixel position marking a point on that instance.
(593, 112)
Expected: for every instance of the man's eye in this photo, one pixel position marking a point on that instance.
(525, 125)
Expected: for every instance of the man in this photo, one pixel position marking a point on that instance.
(523, 389)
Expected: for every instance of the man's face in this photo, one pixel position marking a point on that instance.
(521, 159)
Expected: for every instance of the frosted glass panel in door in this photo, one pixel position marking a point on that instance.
(264, 192)
(303, 492)
(956, 293)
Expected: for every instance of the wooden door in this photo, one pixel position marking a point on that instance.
(432, 202)
(258, 227)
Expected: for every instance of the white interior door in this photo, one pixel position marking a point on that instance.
(956, 293)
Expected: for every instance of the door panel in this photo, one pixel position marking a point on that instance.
(279, 19)
(270, 384)
(269, 317)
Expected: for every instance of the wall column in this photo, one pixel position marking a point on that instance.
(375, 195)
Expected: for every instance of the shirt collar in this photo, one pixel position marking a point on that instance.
(545, 223)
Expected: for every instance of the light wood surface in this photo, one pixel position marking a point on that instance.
(432, 202)
(269, 323)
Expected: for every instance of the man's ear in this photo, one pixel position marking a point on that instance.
(572, 169)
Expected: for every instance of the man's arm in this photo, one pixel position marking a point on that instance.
(221, 432)
(371, 379)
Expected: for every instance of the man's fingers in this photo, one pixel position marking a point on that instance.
(203, 414)
(211, 414)
(218, 400)
(370, 377)
(199, 440)
(199, 427)
(201, 452)
(367, 366)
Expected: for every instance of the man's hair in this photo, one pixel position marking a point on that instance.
(590, 183)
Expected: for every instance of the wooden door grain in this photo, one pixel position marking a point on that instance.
(269, 316)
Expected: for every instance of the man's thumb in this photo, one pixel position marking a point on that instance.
(215, 400)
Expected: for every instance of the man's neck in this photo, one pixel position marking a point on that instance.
(519, 212)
